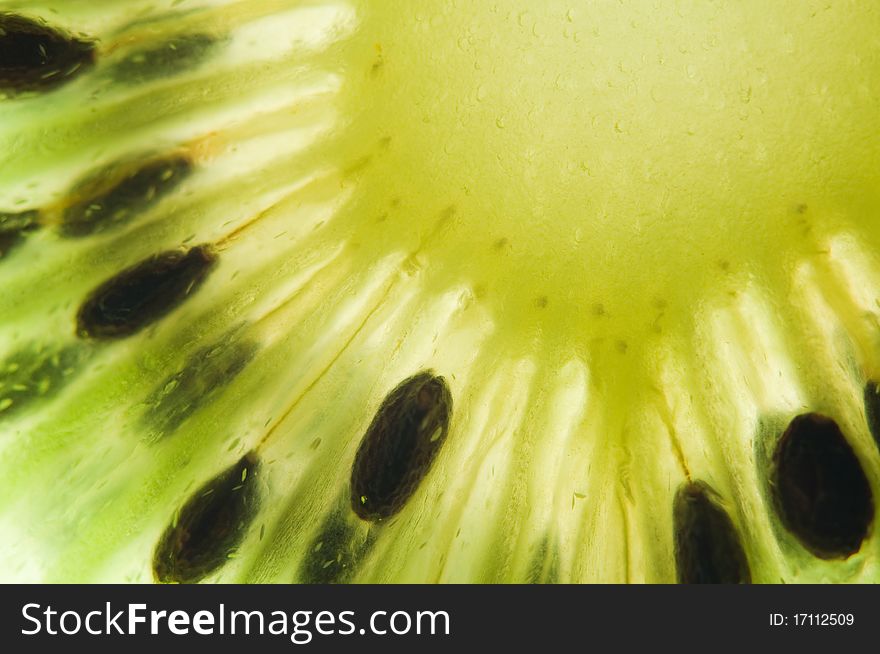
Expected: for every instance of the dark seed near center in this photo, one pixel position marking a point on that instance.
(166, 59)
(707, 546)
(203, 377)
(400, 446)
(119, 192)
(36, 57)
(210, 526)
(144, 293)
(819, 488)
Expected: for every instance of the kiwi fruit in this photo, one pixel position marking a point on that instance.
(424, 291)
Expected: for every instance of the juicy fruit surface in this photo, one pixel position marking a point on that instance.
(633, 241)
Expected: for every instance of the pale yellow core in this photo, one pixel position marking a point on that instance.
(595, 174)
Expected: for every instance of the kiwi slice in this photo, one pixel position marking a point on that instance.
(420, 291)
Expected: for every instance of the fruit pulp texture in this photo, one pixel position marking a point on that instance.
(631, 236)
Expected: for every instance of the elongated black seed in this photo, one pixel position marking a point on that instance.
(204, 534)
(819, 488)
(400, 445)
(202, 378)
(872, 409)
(164, 60)
(144, 293)
(118, 193)
(36, 57)
(707, 546)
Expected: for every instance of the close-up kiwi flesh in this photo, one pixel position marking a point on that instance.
(439, 291)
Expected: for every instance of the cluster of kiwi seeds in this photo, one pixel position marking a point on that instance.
(257, 327)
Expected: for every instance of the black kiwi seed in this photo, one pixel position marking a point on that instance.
(872, 409)
(400, 445)
(214, 521)
(139, 296)
(707, 546)
(119, 192)
(36, 57)
(819, 488)
(204, 374)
